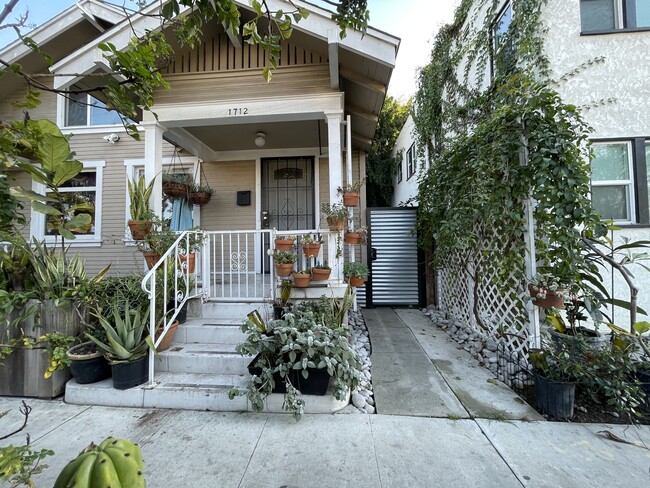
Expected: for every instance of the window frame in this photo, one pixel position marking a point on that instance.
(496, 50)
(632, 183)
(400, 173)
(624, 16)
(38, 220)
(411, 162)
(63, 103)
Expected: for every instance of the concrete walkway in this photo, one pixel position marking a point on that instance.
(230, 450)
(417, 370)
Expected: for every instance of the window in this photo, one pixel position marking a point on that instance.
(410, 162)
(502, 58)
(399, 171)
(86, 187)
(84, 110)
(611, 15)
(611, 181)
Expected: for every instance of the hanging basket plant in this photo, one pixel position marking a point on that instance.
(200, 195)
(176, 185)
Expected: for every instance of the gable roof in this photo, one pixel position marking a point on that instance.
(75, 26)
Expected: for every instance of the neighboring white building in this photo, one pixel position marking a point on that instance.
(599, 53)
(410, 166)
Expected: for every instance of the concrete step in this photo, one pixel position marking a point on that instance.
(202, 358)
(209, 334)
(234, 311)
(189, 392)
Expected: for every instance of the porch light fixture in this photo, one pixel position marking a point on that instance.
(260, 139)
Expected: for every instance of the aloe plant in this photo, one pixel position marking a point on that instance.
(125, 335)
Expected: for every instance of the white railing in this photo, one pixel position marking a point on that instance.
(169, 284)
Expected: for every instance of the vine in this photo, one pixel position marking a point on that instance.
(495, 145)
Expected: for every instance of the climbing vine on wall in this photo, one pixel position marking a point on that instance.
(499, 135)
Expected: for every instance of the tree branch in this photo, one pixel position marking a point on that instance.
(25, 410)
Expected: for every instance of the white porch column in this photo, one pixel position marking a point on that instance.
(334, 120)
(153, 138)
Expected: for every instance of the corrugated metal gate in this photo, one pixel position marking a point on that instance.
(396, 265)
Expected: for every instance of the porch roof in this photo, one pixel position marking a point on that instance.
(359, 66)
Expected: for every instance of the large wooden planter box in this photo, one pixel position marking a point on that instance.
(22, 371)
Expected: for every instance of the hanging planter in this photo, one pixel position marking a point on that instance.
(352, 238)
(351, 199)
(175, 190)
(356, 282)
(283, 269)
(321, 273)
(336, 223)
(151, 258)
(284, 243)
(550, 298)
(311, 250)
(140, 229)
(200, 195)
(190, 259)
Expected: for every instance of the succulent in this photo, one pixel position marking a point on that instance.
(115, 462)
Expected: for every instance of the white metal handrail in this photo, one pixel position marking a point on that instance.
(172, 266)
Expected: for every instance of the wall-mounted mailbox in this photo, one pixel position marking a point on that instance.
(243, 198)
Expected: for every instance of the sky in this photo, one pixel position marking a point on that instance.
(414, 21)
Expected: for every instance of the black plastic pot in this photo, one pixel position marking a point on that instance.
(182, 315)
(88, 368)
(595, 340)
(280, 385)
(555, 398)
(644, 380)
(279, 311)
(315, 384)
(130, 374)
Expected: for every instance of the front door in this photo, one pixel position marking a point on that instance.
(287, 195)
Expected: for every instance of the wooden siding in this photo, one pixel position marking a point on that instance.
(46, 109)
(217, 53)
(244, 84)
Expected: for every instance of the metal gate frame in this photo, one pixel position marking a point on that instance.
(421, 265)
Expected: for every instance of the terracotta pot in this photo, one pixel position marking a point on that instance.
(352, 238)
(151, 258)
(301, 280)
(140, 229)
(190, 259)
(351, 199)
(318, 274)
(284, 269)
(551, 300)
(311, 250)
(356, 282)
(335, 224)
(169, 337)
(283, 244)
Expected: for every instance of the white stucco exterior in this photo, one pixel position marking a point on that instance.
(405, 190)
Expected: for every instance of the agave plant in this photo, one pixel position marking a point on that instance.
(125, 335)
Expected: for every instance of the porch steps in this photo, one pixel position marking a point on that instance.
(198, 370)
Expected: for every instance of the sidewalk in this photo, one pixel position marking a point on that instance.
(229, 450)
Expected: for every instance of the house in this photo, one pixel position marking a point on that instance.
(273, 152)
(410, 165)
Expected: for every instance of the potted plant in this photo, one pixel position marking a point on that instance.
(282, 300)
(335, 215)
(157, 242)
(87, 362)
(141, 214)
(301, 278)
(321, 272)
(177, 185)
(350, 193)
(356, 273)
(548, 291)
(284, 242)
(194, 245)
(283, 262)
(311, 244)
(356, 236)
(306, 351)
(127, 345)
(200, 194)
(555, 382)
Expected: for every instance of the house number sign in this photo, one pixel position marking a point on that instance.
(238, 111)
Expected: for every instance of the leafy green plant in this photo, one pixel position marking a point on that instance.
(334, 211)
(312, 239)
(180, 178)
(295, 344)
(195, 188)
(284, 257)
(357, 270)
(322, 266)
(546, 283)
(140, 196)
(282, 300)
